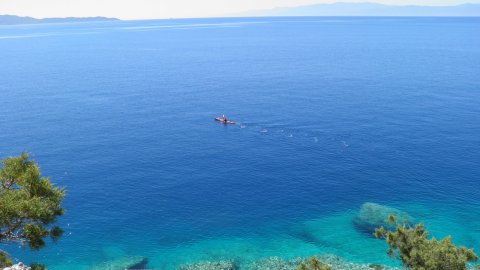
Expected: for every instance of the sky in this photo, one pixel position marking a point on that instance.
(159, 9)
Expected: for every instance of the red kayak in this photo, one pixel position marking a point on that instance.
(223, 120)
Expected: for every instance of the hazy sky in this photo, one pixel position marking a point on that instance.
(150, 9)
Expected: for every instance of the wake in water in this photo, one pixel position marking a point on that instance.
(289, 133)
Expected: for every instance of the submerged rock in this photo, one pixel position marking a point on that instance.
(220, 265)
(18, 266)
(277, 263)
(136, 262)
(333, 261)
(373, 215)
(273, 263)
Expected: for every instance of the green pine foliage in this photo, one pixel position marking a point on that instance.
(4, 260)
(29, 204)
(313, 264)
(417, 251)
(37, 266)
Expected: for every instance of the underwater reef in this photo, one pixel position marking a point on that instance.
(126, 263)
(220, 265)
(373, 215)
(276, 263)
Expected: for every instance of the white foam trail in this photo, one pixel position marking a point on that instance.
(27, 36)
(264, 131)
(345, 143)
(207, 27)
(290, 136)
(47, 35)
(189, 26)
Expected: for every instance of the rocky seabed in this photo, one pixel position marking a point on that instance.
(18, 266)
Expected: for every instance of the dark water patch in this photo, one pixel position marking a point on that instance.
(355, 110)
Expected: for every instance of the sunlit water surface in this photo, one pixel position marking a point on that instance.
(331, 113)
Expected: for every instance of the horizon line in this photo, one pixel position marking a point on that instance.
(236, 14)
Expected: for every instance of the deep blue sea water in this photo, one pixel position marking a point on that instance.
(331, 112)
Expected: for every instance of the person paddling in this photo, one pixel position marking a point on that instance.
(224, 120)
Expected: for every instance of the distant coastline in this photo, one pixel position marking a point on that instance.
(368, 9)
(12, 20)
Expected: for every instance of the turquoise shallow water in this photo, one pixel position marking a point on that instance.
(331, 112)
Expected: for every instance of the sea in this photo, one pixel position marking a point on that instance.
(330, 112)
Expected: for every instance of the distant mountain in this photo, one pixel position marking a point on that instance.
(368, 9)
(11, 19)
